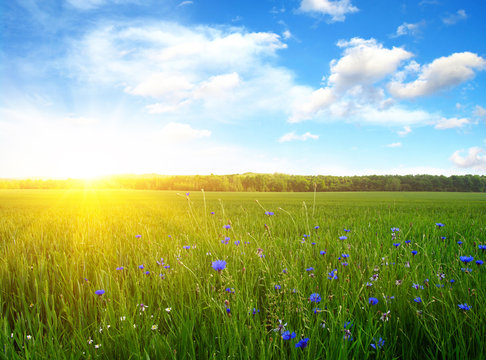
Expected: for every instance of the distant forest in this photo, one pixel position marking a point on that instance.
(263, 182)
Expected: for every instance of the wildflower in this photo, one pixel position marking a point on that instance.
(452, 281)
(393, 229)
(345, 255)
(379, 344)
(186, 247)
(443, 238)
(99, 292)
(417, 286)
(212, 212)
(333, 275)
(187, 194)
(255, 310)
(343, 237)
(347, 230)
(280, 327)
(309, 269)
(277, 287)
(286, 335)
(373, 300)
(284, 271)
(396, 244)
(90, 341)
(464, 307)
(385, 316)
(316, 227)
(368, 284)
(467, 270)
(147, 273)
(138, 236)
(97, 346)
(29, 337)
(302, 343)
(439, 285)
(141, 267)
(120, 268)
(230, 290)
(316, 310)
(315, 297)
(466, 259)
(228, 310)
(408, 241)
(237, 242)
(417, 299)
(439, 225)
(169, 309)
(322, 252)
(414, 252)
(459, 242)
(398, 282)
(155, 327)
(143, 307)
(219, 265)
(479, 262)
(481, 247)
(122, 318)
(227, 226)
(344, 263)
(269, 213)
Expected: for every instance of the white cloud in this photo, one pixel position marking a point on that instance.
(319, 99)
(394, 145)
(292, 136)
(177, 132)
(286, 34)
(364, 62)
(451, 123)
(409, 29)
(475, 158)
(443, 73)
(454, 18)
(185, 3)
(337, 9)
(406, 130)
(480, 111)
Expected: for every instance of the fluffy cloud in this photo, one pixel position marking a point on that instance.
(364, 62)
(443, 73)
(454, 18)
(409, 29)
(475, 158)
(336, 9)
(319, 99)
(292, 136)
(406, 130)
(479, 111)
(451, 123)
(394, 145)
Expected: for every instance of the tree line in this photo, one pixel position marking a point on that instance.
(263, 183)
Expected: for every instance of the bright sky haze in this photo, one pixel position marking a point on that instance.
(348, 87)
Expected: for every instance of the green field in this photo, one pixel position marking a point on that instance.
(57, 248)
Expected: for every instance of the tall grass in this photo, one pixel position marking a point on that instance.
(59, 247)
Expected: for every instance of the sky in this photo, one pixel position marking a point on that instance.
(309, 87)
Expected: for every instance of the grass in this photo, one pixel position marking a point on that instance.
(59, 247)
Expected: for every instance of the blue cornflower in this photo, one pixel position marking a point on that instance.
(284, 271)
(187, 247)
(393, 229)
(99, 292)
(302, 343)
(343, 237)
(408, 241)
(227, 226)
(348, 325)
(414, 252)
(277, 287)
(315, 297)
(347, 230)
(439, 225)
(479, 262)
(417, 299)
(147, 272)
(322, 252)
(344, 263)
(459, 242)
(287, 335)
(373, 300)
(464, 307)
(379, 344)
(120, 268)
(138, 236)
(345, 255)
(481, 247)
(237, 242)
(219, 265)
(439, 285)
(316, 227)
(443, 238)
(230, 290)
(332, 275)
(212, 213)
(368, 284)
(228, 310)
(255, 310)
(269, 213)
(452, 281)
(309, 269)
(466, 270)
(396, 244)
(466, 259)
(417, 286)
(141, 267)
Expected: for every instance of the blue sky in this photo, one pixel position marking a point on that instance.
(350, 87)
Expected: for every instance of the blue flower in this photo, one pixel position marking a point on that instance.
(368, 284)
(219, 265)
(302, 343)
(345, 255)
(99, 292)
(393, 229)
(417, 300)
(309, 269)
(464, 307)
(147, 272)
(138, 236)
(459, 242)
(269, 213)
(187, 247)
(277, 287)
(343, 237)
(322, 252)
(333, 275)
(414, 252)
(284, 271)
(347, 230)
(379, 344)
(439, 225)
(452, 281)
(315, 297)
(479, 262)
(316, 227)
(228, 310)
(120, 268)
(230, 290)
(141, 267)
(212, 213)
(443, 238)
(373, 300)
(255, 310)
(466, 259)
(481, 247)
(408, 241)
(286, 335)
(396, 244)
(227, 226)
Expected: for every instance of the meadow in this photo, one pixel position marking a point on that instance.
(118, 274)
